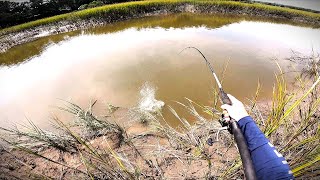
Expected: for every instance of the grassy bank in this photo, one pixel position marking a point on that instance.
(113, 12)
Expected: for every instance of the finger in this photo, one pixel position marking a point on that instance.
(226, 115)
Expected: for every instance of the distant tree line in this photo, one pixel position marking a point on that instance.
(13, 13)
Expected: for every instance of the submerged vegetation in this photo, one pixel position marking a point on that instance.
(92, 147)
(114, 12)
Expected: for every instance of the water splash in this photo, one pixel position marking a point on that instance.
(148, 101)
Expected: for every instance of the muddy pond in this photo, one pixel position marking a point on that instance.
(113, 63)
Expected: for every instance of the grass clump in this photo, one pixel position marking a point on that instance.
(90, 125)
(308, 65)
(35, 137)
(296, 131)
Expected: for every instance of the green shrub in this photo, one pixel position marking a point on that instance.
(95, 4)
(83, 6)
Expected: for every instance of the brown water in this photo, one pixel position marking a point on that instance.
(112, 63)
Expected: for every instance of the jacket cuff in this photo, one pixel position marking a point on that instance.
(243, 121)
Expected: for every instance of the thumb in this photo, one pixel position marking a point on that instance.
(232, 98)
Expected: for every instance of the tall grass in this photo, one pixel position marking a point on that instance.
(137, 8)
(292, 123)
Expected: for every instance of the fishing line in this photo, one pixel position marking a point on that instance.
(208, 64)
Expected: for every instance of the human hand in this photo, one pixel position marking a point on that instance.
(236, 110)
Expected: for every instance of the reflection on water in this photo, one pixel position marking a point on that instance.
(112, 67)
(22, 52)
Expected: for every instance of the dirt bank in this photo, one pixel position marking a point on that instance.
(144, 154)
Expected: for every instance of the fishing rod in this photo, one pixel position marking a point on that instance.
(233, 125)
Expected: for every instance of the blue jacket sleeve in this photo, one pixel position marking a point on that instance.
(268, 162)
